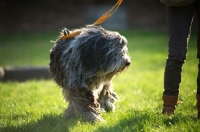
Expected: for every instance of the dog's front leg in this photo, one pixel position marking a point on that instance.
(85, 103)
(107, 98)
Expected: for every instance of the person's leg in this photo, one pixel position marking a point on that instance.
(197, 10)
(179, 21)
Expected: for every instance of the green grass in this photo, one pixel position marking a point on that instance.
(38, 106)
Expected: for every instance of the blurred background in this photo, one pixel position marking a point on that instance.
(51, 15)
(31, 24)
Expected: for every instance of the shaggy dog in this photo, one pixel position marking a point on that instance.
(84, 66)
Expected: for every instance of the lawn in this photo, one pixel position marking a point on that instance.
(38, 105)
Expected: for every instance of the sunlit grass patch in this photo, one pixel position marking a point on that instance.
(38, 105)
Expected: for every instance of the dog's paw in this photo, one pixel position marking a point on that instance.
(109, 101)
(70, 111)
(110, 106)
(92, 117)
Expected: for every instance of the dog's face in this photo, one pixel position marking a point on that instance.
(103, 52)
(95, 53)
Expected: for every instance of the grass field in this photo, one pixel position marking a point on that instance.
(38, 106)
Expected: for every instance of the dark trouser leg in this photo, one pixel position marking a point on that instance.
(198, 79)
(197, 10)
(172, 77)
(179, 20)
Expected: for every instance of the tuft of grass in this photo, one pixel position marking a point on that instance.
(38, 105)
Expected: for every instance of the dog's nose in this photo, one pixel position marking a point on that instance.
(127, 63)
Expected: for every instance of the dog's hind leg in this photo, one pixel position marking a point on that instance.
(70, 111)
(107, 98)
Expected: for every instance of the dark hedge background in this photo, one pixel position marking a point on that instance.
(50, 15)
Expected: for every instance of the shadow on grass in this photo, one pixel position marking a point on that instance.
(146, 121)
(135, 121)
(49, 123)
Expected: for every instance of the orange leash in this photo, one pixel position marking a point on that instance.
(100, 20)
(108, 13)
(70, 35)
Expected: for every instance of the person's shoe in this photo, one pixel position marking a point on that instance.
(169, 105)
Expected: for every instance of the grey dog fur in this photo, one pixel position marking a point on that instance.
(84, 67)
